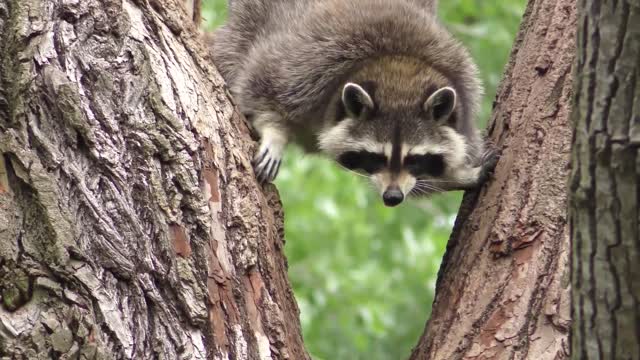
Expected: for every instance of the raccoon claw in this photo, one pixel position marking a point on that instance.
(489, 163)
(266, 164)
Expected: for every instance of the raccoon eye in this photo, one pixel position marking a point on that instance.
(427, 164)
(364, 160)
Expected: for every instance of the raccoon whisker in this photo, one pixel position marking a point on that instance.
(437, 181)
(444, 182)
(436, 188)
(429, 186)
(423, 183)
(417, 190)
(359, 174)
(432, 190)
(355, 172)
(423, 189)
(420, 191)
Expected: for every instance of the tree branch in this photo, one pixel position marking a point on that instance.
(503, 289)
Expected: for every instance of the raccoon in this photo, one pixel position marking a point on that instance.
(379, 86)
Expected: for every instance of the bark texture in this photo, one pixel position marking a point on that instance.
(130, 223)
(503, 290)
(605, 182)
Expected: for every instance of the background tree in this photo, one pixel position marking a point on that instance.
(605, 182)
(130, 224)
(503, 290)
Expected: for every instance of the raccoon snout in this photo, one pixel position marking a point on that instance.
(392, 196)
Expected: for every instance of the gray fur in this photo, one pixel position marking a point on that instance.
(292, 57)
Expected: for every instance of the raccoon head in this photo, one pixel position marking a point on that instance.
(406, 146)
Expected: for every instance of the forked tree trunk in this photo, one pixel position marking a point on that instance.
(605, 182)
(131, 226)
(503, 290)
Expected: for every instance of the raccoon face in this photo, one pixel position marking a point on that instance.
(404, 150)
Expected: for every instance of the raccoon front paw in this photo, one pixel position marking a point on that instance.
(489, 162)
(266, 163)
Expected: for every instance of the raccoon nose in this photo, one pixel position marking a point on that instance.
(392, 196)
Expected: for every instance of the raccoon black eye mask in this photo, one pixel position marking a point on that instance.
(343, 65)
(418, 165)
(363, 160)
(428, 164)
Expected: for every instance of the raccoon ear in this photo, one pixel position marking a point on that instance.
(356, 100)
(440, 105)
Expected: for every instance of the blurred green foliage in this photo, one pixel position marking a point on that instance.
(364, 274)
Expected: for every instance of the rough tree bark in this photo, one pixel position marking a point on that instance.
(605, 182)
(130, 224)
(503, 290)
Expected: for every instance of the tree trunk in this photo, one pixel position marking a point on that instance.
(605, 182)
(503, 290)
(131, 226)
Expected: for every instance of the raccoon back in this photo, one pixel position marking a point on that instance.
(290, 56)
